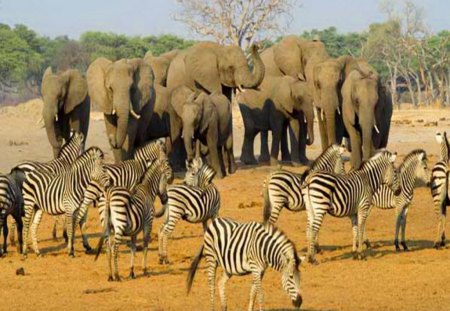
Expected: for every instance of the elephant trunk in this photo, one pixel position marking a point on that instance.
(188, 138)
(252, 80)
(52, 125)
(309, 118)
(330, 115)
(367, 123)
(123, 115)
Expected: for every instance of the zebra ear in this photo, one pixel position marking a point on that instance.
(393, 157)
(439, 137)
(188, 164)
(421, 156)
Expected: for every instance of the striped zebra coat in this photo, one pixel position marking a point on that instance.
(196, 201)
(126, 213)
(68, 153)
(440, 188)
(348, 195)
(11, 203)
(413, 168)
(282, 188)
(60, 194)
(247, 248)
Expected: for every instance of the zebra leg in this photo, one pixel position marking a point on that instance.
(315, 227)
(164, 233)
(362, 218)
(29, 210)
(257, 282)
(70, 232)
(12, 235)
(354, 221)
(34, 227)
(19, 225)
(441, 211)
(54, 230)
(212, 267)
(403, 241)
(133, 254)
(81, 220)
(5, 236)
(147, 237)
(222, 284)
(398, 223)
(109, 254)
(444, 218)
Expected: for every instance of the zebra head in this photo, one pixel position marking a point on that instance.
(73, 148)
(290, 276)
(422, 172)
(198, 174)
(444, 145)
(150, 150)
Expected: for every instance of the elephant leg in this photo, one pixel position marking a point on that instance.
(340, 129)
(111, 130)
(322, 129)
(302, 138)
(285, 153)
(275, 149)
(129, 144)
(214, 154)
(264, 156)
(247, 153)
(221, 160)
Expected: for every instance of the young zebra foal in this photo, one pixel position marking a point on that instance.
(348, 195)
(196, 201)
(128, 213)
(440, 186)
(282, 188)
(414, 167)
(247, 248)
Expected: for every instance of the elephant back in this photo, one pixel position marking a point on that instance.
(95, 77)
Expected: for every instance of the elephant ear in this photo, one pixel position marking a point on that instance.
(95, 77)
(76, 90)
(142, 90)
(179, 98)
(348, 108)
(287, 55)
(202, 66)
(47, 73)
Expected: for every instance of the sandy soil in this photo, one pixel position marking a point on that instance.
(416, 280)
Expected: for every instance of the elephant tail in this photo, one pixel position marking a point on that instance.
(267, 206)
(162, 211)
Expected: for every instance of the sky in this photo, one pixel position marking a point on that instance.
(154, 17)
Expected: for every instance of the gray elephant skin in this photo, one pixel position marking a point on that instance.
(66, 106)
(367, 112)
(279, 102)
(206, 118)
(124, 91)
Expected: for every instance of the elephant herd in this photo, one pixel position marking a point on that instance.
(185, 96)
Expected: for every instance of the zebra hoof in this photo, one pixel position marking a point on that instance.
(318, 249)
(362, 256)
(131, 276)
(146, 273)
(443, 243)
(405, 247)
(437, 245)
(367, 243)
(355, 255)
(313, 261)
(163, 261)
(397, 246)
(71, 255)
(116, 278)
(110, 278)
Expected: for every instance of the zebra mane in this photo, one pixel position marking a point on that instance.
(277, 233)
(412, 156)
(149, 150)
(69, 143)
(378, 155)
(91, 152)
(152, 165)
(330, 150)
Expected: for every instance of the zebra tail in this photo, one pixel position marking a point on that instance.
(162, 211)
(193, 269)
(106, 229)
(267, 205)
(447, 196)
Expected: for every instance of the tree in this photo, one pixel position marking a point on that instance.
(236, 22)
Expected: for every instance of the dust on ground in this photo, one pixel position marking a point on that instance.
(414, 280)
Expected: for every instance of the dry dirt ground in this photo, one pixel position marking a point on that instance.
(415, 280)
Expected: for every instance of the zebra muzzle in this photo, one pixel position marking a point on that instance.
(297, 302)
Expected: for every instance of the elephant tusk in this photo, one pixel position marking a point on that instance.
(376, 129)
(339, 110)
(56, 117)
(113, 112)
(322, 112)
(134, 114)
(240, 88)
(304, 119)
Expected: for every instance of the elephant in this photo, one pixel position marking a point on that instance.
(279, 102)
(123, 88)
(295, 57)
(159, 125)
(215, 68)
(328, 77)
(160, 65)
(66, 106)
(364, 103)
(206, 118)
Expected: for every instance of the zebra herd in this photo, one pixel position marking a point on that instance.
(125, 194)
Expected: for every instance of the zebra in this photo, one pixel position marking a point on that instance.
(282, 188)
(440, 183)
(345, 195)
(60, 194)
(414, 167)
(129, 212)
(247, 248)
(196, 201)
(126, 174)
(11, 203)
(68, 153)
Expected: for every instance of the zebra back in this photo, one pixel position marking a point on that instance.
(330, 160)
(67, 155)
(444, 146)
